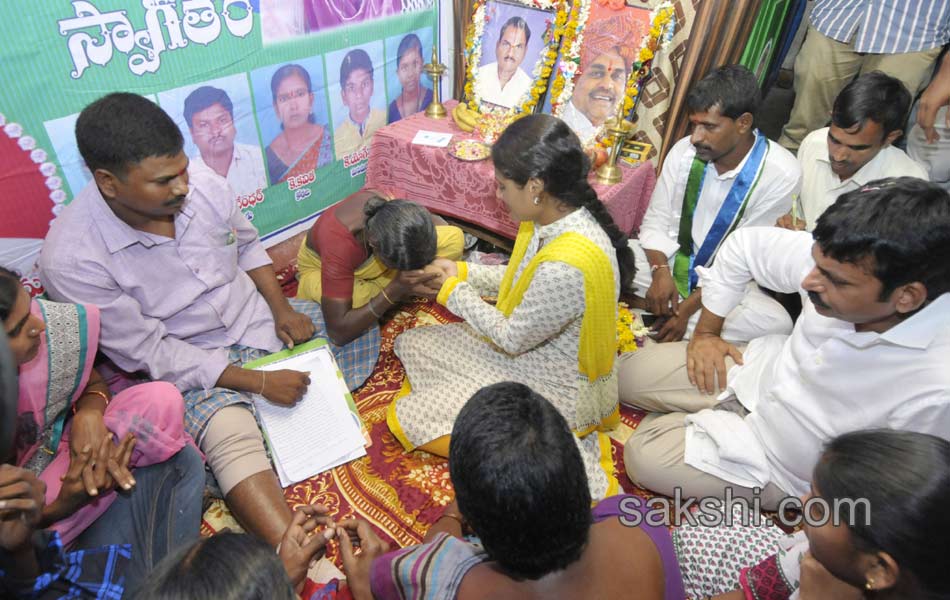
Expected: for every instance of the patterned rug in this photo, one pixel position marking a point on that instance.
(400, 493)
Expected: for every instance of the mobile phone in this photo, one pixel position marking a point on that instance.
(649, 319)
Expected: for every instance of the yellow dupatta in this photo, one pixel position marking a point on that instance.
(598, 343)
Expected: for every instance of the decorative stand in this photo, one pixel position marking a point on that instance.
(435, 70)
(620, 130)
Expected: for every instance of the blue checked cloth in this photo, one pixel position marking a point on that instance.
(97, 573)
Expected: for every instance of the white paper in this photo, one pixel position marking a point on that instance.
(319, 432)
(432, 138)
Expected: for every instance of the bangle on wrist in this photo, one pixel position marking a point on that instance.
(369, 305)
(653, 268)
(99, 393)
(263, 381)
(454, 517)
(386, 296)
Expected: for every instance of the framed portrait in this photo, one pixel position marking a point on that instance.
(605, 54)
(291, 102)
(510, 50)
(220, 131)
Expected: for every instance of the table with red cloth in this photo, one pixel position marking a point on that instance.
(466, 190)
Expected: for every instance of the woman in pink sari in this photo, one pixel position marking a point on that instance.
(118, 469)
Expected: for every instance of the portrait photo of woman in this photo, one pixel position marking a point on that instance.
(409, 87)
(291, 105)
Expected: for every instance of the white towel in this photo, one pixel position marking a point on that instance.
(720, 443)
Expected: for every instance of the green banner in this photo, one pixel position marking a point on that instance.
(254, 86)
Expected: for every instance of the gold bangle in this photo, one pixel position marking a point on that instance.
(369, 305)
(99, 393)
(454, 517)
(386, 296)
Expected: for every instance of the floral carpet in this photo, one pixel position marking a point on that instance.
(401, 494)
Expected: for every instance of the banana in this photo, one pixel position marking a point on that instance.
(469, 115)
(464, 118)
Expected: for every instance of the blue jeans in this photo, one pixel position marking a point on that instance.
(160, 515)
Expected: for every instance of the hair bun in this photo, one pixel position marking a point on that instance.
(373, 205)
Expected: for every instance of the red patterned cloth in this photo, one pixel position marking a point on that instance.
(466, 190)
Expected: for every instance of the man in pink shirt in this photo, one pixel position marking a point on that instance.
(187, 293)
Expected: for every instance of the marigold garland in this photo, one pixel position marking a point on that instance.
(542, 70)
(630, 330)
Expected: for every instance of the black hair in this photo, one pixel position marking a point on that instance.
(407, 44)
(905, 478)
(9, 391)
(205, 97)
(226, 566)
(901, 223)
(402, 233)
(9, 288)
(283, 73)
(121, 130)
(520, 481)
(356, 59)
(544, 147)
(517, 23)
(875, 96)
(733, 89)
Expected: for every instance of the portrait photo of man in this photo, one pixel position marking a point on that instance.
(504, 82)
(209, 115)
(606, 59)
(361, 109)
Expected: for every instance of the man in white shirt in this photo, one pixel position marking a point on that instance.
(209, 114)
(868, 116)
(725, 175)
(504, 83)
(604, 67)
(870, 349)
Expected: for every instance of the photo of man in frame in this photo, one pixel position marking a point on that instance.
(611, 42)
(510, 51)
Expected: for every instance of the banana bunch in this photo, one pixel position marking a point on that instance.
(464, 117)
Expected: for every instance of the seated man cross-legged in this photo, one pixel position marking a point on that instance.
(186, 292)
(725, 176)
(870, 349)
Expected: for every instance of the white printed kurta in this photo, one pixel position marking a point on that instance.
(536, 345)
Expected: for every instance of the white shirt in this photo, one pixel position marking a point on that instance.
(245, 173)
(579, 122)
(825, 379)
(489, 87)
(771, 198)
(821, 187)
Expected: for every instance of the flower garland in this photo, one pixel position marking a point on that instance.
(630, 330)
(661, 31)
(542, 70)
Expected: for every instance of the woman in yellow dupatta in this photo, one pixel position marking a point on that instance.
(554, 326)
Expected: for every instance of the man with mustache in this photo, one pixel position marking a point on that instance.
(870, 350)
(724, 176)
(186, 293)
(504, 83)
(868, 116)
(209, 115)
(604, 68)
